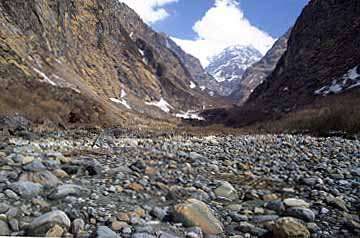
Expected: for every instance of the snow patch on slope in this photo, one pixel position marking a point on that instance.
(189, 115)
(122, 100)
(141, 52)
(192, 85)
(46, 78)
(162, 105)
(349, 80)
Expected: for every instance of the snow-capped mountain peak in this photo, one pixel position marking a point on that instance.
(232, 62)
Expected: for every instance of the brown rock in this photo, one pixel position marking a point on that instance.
(119, 189)
(270, 197)
(122, 216)
(60, 173)
(288, 227)
(118, 225)
(93, 221)
(140, 212)
(196, 213)
(42, 177)
(151, 171)
(136, 187)
(294, 202)
(56, 231)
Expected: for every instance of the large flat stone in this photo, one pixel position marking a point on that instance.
(196, 213)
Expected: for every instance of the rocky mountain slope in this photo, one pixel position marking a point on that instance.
(229, 66)
(318, 76)
(257, 73)
(88, 62)
(202, 79)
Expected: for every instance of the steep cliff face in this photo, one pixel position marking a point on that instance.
(257, 73)
(88, 61)
(323, 46)
(191, 63)
(319, 70)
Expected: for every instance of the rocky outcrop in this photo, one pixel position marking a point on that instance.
(87, 62)
(203, 79)
(257, 73)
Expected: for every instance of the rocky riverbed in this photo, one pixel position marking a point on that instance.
(81, 184)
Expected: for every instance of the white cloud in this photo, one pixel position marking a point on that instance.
(224, 25)
(150, 11)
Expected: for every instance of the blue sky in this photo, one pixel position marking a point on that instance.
(204, 28)
(273, 16)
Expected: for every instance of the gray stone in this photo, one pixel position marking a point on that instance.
(195, 230)
(65, 190)
(14, 224)
(17, 158)
(11, 194)
(12, 212)
(4, 229)
(4, 207)
(26, 189)
(238, 217)
(166, 235)
(41, 224)
(264, 218)
(92, 166)
(127, 230)
(304, 214)
(142, 235)
(196, 156)
(78, 226)
(52, 164)
(158, 212)
(35, 166)
(324, 210)
(294, 202)
(338, 202)
(226, 190)
(250, 228)
(312, 181)
(276, 205)
(356, 172)
(313, 227)
(105, 232)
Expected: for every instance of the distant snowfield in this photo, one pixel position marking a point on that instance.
(348, 81)
(190, 115)
(162, 105)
